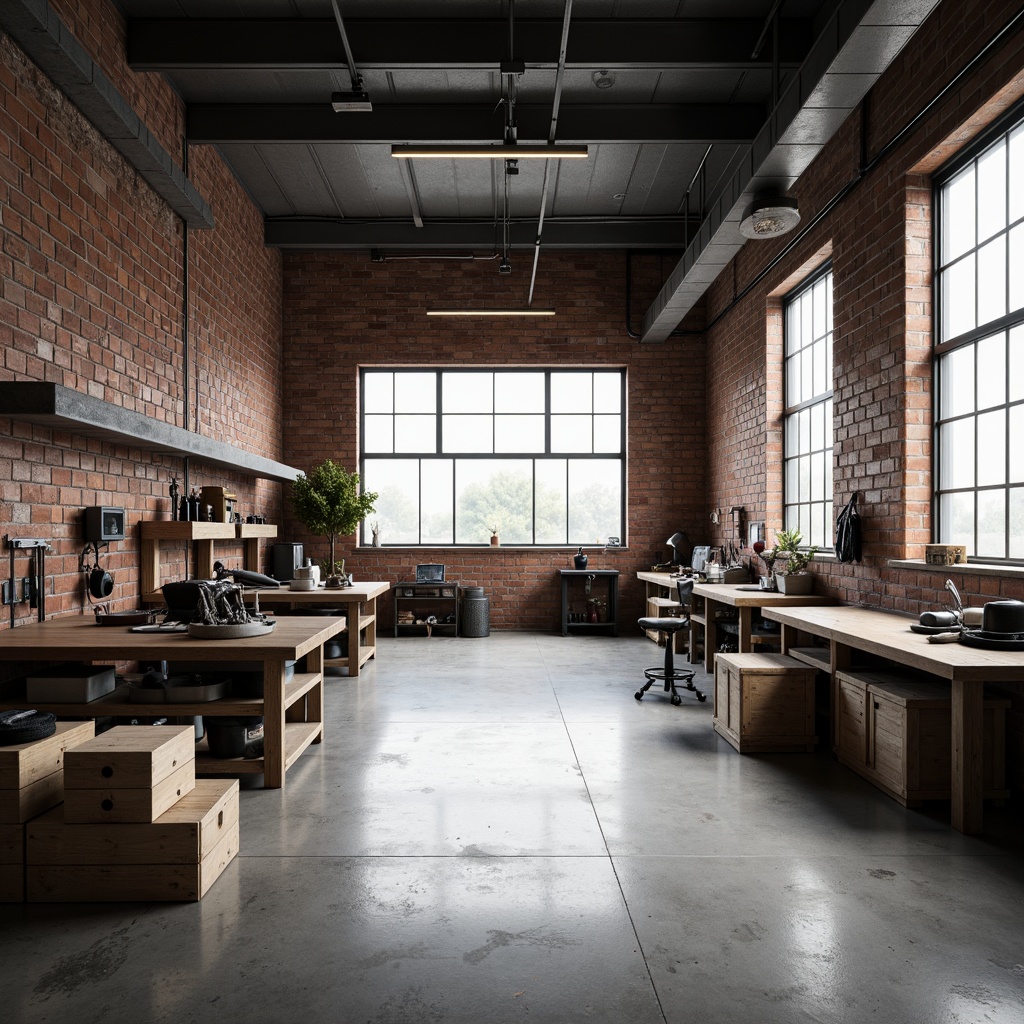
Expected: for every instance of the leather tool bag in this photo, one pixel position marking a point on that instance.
(848, 542)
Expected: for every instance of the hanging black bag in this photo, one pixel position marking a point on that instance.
(848, 532)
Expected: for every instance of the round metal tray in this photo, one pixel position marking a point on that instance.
(229, 630)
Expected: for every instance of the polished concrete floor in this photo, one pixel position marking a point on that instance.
(495, 830)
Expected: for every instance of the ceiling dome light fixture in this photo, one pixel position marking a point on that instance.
(603, 79)
(770, 217)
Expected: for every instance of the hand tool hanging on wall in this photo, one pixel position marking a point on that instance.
(37, 581)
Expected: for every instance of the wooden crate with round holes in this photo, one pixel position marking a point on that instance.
(177, 857)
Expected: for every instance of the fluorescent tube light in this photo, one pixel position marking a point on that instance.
(491, 312)
(497, 152)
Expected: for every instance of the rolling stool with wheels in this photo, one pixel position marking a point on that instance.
(668, 673)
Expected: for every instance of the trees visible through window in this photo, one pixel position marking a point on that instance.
(979, 352)
(808, 431)
(454, 454)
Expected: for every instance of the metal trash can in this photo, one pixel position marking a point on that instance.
(476, 612)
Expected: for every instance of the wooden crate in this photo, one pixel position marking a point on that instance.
(185, 834)
(12, 863)
(19, 805)
(175, 858)
(129, 757)
(113, 804)
(764, 702)
(24, 763)
(31, 774)
(895, 730)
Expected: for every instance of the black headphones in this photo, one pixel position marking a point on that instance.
(101, 583)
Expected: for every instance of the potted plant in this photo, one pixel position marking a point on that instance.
(794, 578)
(768, 556)
(328, 503)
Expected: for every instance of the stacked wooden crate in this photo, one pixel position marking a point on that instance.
(135, 824)
(31, 782)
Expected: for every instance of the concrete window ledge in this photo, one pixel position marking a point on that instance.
(1014, 572)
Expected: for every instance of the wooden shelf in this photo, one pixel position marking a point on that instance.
(816, 657)
(297, 736)
(203, 535)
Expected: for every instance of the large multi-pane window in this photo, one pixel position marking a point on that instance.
(536, 455)
(979, 468)
(807, 444)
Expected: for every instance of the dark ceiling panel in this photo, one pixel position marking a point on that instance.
(447, 236)
(248, 166)
(632, 123)
(169, 44)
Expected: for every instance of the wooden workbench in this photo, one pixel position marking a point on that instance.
(850, 628)
(744, 597)
(292, 710)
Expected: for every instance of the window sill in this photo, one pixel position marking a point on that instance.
(540, 549)
(1015, 572)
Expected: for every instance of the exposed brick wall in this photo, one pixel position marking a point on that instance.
(880, 240)
(343, 312)
(91, 297)
(100, 27)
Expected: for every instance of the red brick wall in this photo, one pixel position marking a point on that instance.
(343, 312)
(880, 242)
(91, 297)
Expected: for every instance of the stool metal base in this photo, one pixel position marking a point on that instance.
(670, 678)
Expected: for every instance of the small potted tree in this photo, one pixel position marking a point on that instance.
(328, 503)
(794, 578)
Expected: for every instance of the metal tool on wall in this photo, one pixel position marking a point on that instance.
(35, 585)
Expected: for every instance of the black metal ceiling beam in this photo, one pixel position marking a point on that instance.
(175, 44)
(477, 236)
(473, 123)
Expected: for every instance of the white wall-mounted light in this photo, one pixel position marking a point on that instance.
(770, 217)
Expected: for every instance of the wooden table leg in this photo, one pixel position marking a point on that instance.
(315, 697)
(710, 634)
(371, 630)
(787, 638)
(353, 613)
(967, 741)
(746, 619)
(840, 659)
(273, 724)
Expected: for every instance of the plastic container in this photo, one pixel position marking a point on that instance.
(235, 737)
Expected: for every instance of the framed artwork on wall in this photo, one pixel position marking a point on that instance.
(755, 534)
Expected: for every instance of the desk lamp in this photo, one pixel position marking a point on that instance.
(677, 540)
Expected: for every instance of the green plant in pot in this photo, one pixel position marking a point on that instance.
(328, 503)
(793, 578)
